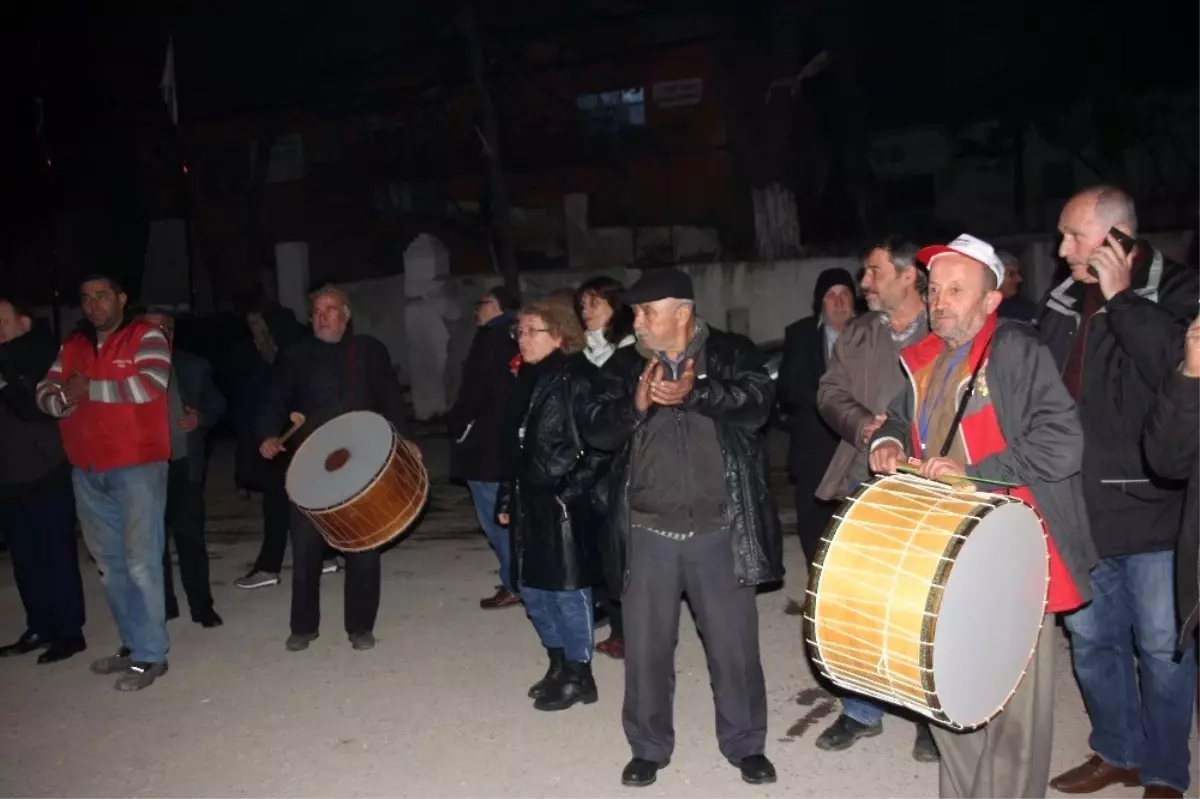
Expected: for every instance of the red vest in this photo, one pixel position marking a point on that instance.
(981, 437)
(101, 436)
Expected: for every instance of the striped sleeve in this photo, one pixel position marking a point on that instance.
(153, 360)
(49, 391)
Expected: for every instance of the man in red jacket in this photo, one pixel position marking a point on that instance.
(109, 389)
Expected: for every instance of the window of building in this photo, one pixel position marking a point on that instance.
(623, 108)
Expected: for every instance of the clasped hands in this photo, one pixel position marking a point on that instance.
(654, 389)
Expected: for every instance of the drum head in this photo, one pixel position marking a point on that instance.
(991, 613)
(339, 460)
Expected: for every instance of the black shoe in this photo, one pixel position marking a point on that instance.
(639, 773)
(924, 748)
(62, 649)
(576, 685)
(844, 733)
(757, 770)
(298, 643)
(362, 641)
(28, 642)
(546, 685)
(208, 618)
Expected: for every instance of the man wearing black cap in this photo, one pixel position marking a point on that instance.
(808, 344)
(691, 512)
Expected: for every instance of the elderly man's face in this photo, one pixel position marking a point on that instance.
(1082, 232)
(329, 318)
(660, 324)
(960, 298)
(885, 288)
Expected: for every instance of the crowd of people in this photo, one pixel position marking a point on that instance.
(613, 444)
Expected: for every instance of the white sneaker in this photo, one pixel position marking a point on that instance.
(330, 566)
(257, 579)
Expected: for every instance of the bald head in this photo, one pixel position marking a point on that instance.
(1086, 220)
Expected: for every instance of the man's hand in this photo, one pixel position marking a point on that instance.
(190, 420)
(870, 427)
(642, 398)
(503, 518)
(1191, 349)
(1115, 270)
(270, 448)
(936, 468)
(672, 392)
(75, 389)
(886, 457)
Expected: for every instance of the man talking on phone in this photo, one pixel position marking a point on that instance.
(1116, 328)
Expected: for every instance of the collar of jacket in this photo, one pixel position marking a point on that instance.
(1067, 297)
(88, 330)
(506, 318)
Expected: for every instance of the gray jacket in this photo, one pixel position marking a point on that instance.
(1040, 425)
(863, 376)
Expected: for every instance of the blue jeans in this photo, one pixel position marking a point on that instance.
(563, 620)
(121, 513)
(484, 495)
(1133, 602)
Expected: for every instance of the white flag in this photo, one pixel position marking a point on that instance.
(167, 84)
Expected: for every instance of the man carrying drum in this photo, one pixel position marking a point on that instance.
(334, 372)
(989, 404)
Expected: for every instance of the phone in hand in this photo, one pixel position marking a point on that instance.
(1127, 244)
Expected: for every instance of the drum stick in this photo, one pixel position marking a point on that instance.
(297, 420)
(949, 479)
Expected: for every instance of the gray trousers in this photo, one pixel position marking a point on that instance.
(1010, 755)
(661, 571)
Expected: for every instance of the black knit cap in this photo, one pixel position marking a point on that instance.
(827, 280)
(660, 284)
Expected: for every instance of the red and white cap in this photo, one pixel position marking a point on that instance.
(968, 245)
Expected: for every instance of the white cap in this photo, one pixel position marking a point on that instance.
(968, 245)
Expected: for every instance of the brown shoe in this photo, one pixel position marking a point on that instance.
(502, 599)
(1093, 775)
(1162, 792)
(612, 647)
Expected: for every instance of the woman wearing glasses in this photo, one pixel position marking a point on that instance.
(546, 500)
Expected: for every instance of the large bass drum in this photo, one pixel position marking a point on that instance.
(358, 482)
(928, 597)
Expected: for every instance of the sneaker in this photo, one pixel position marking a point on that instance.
(257, 579)
(298, 643)
(844, 733)
(362, 641)
(140, 675)
(331, 566)
(113, 663)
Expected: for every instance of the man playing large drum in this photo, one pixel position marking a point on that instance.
(986, 401)
(332, 373)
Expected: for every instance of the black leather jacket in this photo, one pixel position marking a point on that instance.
(737, 393)
(548, 498)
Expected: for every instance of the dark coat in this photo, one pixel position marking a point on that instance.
(474, 423)
(737, 393)
(549, 499)
(813, 442)
(197, 390)
(1130, 345)
(1171, 445)
(30, 447)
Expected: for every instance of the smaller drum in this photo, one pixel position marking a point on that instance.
(357, 482)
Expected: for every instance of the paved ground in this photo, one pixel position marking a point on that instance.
(437, 709)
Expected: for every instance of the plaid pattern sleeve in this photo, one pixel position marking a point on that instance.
(153, 360)
(49, 392)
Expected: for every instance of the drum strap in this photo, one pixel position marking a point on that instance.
(966, 397)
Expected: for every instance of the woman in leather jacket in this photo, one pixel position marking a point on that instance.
(546, 502)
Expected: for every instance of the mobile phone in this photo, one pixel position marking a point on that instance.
(1127, 244)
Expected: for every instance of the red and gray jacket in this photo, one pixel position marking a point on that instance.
(123, 420)
(1020, 426)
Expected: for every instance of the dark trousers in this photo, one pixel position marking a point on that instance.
(812, 518)
(363, 578)
(661, 571)
(185, 526)
(276, 510)
(40, 529)
(612, 607)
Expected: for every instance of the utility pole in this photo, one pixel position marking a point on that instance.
(501, 225)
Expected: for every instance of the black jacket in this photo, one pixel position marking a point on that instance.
(812, 441)
(1131, 344)
(324, 381)
(197, 390)
(30, 447)
(737, 393)
(548, 497)
(1171, 449)
(486, 382)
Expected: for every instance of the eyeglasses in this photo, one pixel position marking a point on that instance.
(525, 332)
